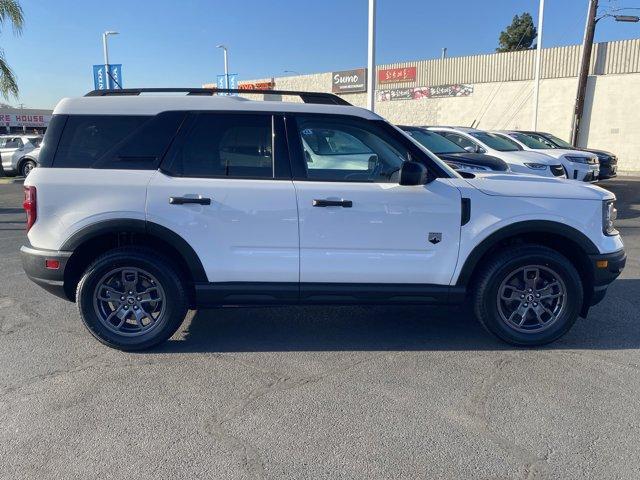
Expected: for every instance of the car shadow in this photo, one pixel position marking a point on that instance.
(382, 328)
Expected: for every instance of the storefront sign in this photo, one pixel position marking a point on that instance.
(258, 85)
(440, 91)
(15, 120)
(397, 75)
(349, 81)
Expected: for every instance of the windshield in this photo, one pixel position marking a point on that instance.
(495, 142)
(435, 143)
(559, 142)
(531, 142)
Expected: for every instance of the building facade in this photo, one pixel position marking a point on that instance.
(24, 120)
(495, 91)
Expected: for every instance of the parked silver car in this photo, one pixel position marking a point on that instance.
(19, 153)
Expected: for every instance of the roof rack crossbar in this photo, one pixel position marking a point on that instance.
(306, 97)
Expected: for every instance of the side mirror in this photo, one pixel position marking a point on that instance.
(470, 149)
(412, 173)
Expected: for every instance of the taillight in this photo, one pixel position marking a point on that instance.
(30, 205)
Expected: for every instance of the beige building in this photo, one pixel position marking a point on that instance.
(495, 91)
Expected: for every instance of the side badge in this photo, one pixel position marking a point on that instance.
(435, 237)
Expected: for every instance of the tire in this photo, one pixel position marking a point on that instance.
(125, 319)
(26, 166)
(505, 277)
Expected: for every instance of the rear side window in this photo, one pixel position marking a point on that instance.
(109, 141)
(226, 145)
(87, 137)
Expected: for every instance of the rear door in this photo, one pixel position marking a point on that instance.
(357, 224)
(225, 187)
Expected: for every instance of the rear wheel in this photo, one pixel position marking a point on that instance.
(528, 295)
(131, 299)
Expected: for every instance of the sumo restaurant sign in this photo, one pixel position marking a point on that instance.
(24, 120)
(349, 81)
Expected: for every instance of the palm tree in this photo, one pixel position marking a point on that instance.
(12, 11)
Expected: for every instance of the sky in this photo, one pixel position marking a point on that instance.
(166, 43)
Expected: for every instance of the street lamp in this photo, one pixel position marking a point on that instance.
(226, 65)
(626, 18)
(105, 50)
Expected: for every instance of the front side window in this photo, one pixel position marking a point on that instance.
(496, 142)
(349, 151)
(530, 141)
(226, 145)
(463, 142)
(435, 143)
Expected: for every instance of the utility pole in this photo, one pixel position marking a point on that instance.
(444, 53)
(587, 46)
(371, 57)
(536, 90)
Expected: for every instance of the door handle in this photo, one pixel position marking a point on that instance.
(333, 203)
(184, 200)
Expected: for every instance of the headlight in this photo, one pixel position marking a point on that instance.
(609, 215)
(536, 166)
(466, 166)
(585, 160)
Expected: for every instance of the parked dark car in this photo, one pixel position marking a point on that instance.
(454, 155)
(608, 161)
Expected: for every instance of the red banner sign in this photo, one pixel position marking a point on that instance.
(397, 75)
(257, 86)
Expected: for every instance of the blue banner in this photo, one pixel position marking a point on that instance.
(100, 80)
(233, 82)
(115, 76)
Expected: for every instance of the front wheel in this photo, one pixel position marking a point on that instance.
(131, 299)
(26, 167)
(528, 295)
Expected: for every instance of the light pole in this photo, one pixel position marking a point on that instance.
(536, 90)
(226, 65)
(371, 57)
(105, 50)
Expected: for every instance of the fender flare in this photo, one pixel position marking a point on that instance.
(144, 227)
(519, 228)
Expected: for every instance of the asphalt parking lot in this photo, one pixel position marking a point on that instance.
(317, 392)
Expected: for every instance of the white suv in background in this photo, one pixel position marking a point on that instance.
(519, 161)
(19, 153)
(579, 165)
(145, 206)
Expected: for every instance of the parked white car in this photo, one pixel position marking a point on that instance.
(579, 165)
(519, 161)
(19, 153)
(146, 206)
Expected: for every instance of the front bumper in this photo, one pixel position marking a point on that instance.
(606, 268)
(52, 280)
(609, 169)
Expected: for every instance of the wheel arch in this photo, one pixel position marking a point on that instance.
(91, 241)
(567, 240)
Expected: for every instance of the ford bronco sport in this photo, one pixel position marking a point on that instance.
(145, 206)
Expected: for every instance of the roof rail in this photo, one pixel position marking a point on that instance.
(306, 97)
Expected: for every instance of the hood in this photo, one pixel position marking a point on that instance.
(479, 159)
(597, 152)
(518, 185)
(560, 152)
(527, 156)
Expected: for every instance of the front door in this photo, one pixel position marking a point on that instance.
(357, 224)
(222, 188)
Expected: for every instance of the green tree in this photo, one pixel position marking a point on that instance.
(10, 11)
(519, 35)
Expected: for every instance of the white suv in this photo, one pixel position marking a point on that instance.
(19, 153)
(581, 166)
(146, 206)
(519, 161)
